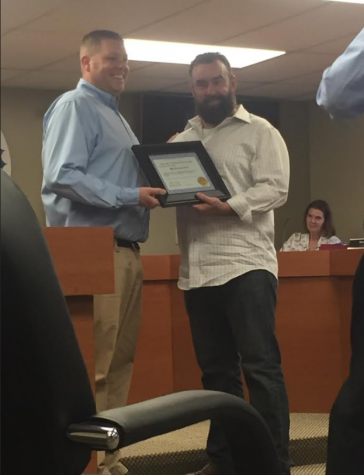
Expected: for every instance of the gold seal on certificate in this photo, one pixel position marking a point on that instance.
(202, 181)
(182, 169)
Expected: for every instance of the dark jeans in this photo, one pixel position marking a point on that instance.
(346, 431)
(233, 328)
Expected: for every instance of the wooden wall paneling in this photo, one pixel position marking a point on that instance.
(309, 334)
(83, 258)
(153, 369)
(186, 373)
(344, 289)
(304, 264)
(81, 310)
(345, 262)
(156, 268)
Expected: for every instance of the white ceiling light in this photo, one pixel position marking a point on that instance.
(346, 1)
(185, 53)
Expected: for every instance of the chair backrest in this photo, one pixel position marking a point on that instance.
(45, 386)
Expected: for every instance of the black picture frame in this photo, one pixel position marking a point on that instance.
(147, 155)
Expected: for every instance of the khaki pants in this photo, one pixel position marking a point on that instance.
(117, 321)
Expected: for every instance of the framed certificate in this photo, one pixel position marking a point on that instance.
(182, 169)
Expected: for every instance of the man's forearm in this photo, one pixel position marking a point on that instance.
(90, 190)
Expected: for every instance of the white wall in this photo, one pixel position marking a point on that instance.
(337, 169)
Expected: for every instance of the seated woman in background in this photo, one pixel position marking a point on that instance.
(319, 226)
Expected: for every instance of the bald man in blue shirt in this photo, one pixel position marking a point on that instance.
(341, 93)
(92, 178)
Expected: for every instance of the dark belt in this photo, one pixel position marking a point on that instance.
(130, 244)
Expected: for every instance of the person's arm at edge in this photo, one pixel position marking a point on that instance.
(341, 90)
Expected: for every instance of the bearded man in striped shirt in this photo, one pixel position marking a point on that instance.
(228, 260)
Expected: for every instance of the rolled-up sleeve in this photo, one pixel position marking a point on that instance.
(270, 177)
(68, 144)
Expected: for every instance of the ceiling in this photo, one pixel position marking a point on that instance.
(40, 40)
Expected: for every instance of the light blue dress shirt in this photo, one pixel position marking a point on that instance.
(341, 91)
(91, 176)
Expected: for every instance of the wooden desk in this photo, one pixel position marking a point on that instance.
(313, 324)
(84, 261)
(313, 321)
(313, 316)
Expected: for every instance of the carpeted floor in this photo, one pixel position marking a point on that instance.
(182, 451)
(310, 470)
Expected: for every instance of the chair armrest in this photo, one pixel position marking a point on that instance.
(244, 427)
(97, 437)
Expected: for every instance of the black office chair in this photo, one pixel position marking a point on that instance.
(48, 417)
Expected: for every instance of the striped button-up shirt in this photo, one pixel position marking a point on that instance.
(252, 159)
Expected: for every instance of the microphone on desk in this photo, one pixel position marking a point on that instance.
(284, 230)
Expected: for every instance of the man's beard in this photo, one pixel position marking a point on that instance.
(214, 114)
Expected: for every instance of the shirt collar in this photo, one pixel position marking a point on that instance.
(105, 97)
(240, 114)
